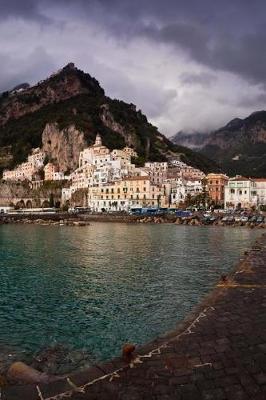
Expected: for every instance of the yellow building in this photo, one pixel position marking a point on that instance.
(135, 191)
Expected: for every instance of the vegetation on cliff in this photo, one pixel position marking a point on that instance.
(77, 99)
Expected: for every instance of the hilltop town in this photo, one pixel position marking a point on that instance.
(111, 181)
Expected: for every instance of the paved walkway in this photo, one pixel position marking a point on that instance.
(218, 353)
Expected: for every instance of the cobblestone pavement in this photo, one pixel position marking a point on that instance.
(218, 353)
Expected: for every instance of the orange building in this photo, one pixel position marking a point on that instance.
(215, 186)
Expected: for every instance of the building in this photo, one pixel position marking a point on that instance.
(96, 154)
(135, 191)
(182, 170)
(157, 171)
(261, 190)
(28, 169)
(182, 188)
(215, 187)
(49, 170)
(240, 192)
(114, 183)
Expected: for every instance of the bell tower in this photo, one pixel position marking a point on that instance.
(98, 140)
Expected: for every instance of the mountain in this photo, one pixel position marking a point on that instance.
(63, 113)
(239, 147)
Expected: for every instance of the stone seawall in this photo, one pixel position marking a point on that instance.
(64, 217)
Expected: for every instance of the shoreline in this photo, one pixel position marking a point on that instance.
(103, 376)
(65, 219)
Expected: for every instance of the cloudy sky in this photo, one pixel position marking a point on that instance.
(188, 65)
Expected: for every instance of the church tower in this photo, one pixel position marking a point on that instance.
(98, 140)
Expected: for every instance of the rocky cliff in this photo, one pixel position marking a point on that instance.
(63, 146)
(239, 147)
(67, 83)
(66, 111)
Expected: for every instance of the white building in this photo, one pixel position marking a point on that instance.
(157, 171)
(27, 169)
(240, 192)
(99, 166)
(261, 190)
(181, 188)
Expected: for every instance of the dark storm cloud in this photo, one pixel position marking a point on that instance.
(25, 9)
(167, 56)
(227, 35)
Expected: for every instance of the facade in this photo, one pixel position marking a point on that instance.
(49, 170)
(135, 191)
(182, 170)
(157, 171)
(216, 185)
(240, 192)
(189, 173)
(27, 169)
(261, 190)
(182, 188)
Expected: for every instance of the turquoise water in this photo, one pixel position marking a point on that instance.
(94, 288)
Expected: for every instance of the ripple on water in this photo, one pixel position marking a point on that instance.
(82, 293)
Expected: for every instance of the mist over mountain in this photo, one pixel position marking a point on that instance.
(239, 147)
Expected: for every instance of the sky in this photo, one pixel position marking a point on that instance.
(188, 65)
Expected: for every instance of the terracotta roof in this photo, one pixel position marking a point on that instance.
(259, 179)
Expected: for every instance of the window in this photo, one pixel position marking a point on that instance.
(232, 190)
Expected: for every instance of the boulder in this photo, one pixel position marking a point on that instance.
(128, 350)
(20, 372)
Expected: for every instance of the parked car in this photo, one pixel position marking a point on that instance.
(260, 219)
(225, 218)
(244, 218)
(253, 219)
